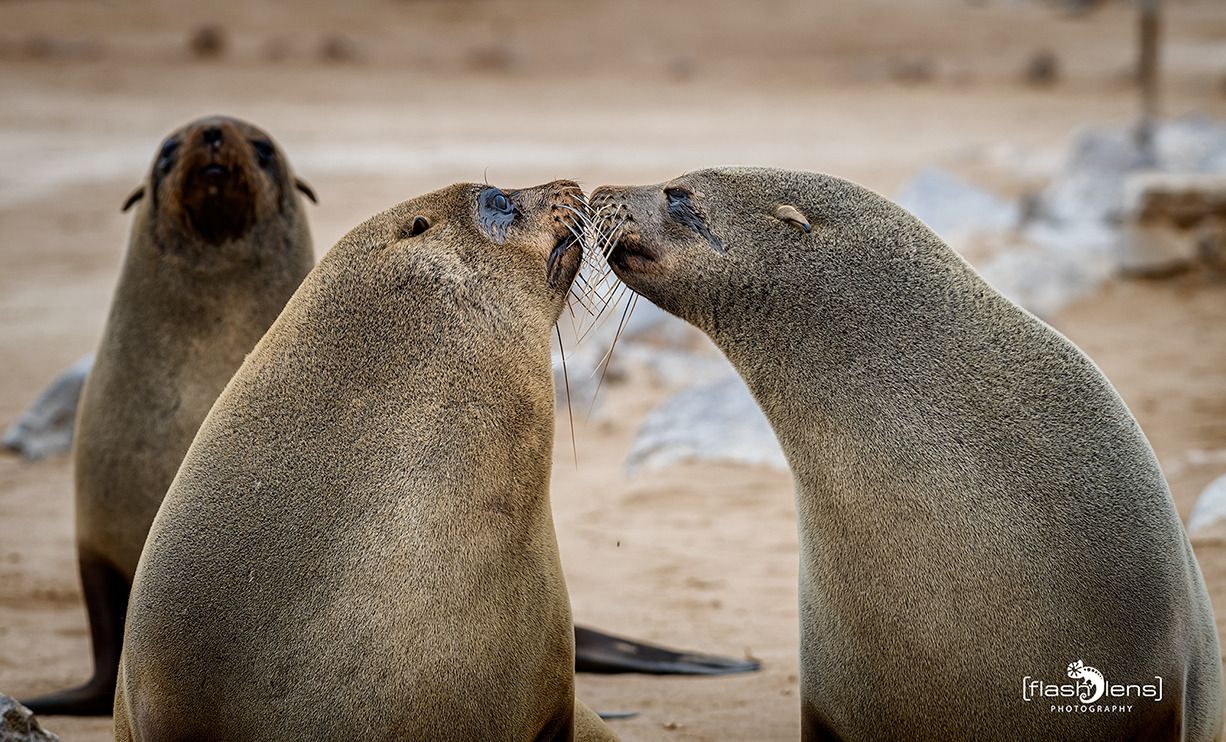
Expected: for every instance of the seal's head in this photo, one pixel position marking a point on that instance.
(495, 251)
(214, 181)
(733, 247)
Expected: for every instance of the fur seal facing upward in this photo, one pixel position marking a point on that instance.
(359, 543)
(978, 510)
(219, 242)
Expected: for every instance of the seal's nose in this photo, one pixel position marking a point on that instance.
(609, 195)
(212, 136)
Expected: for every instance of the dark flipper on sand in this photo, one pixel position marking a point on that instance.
(106, 600)
(604, 653)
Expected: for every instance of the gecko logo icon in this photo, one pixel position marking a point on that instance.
(1092, 683)
(1090, 692)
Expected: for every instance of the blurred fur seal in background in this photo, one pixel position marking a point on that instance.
(360, 544)
(980, 516)
(218, 244)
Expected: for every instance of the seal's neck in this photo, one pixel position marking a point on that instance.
(434, 384)
(899, 375)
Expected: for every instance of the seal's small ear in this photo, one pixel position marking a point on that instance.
(420, 224)
(132, 198)
(792, 215)
(306, 189)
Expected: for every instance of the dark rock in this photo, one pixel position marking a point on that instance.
(1042, 69)
(18, 723)
(338, 49)
(207, 42)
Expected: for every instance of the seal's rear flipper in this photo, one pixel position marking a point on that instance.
(617, 715)
(604, 653)
(106, 599)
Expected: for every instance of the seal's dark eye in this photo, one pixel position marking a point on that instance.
(683, 211)
(495, 213)
(264, 151)
(496, 201)
(676, 196)
(166, 155)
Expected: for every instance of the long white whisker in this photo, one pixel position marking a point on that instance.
(608, 359)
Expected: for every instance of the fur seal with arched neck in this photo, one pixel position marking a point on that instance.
(359, 543)
(978, 510)
(219, 242)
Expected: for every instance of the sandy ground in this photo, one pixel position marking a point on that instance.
(416, 95)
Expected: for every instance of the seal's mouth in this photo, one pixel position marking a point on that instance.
(215, 170)
(217, 194)
(557, 264)
(632, 254)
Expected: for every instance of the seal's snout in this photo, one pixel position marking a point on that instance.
(213, 137)
(569, 217)
(215, 181)
(563, 187)
(617, 212)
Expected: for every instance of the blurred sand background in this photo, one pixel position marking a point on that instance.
(381, 100)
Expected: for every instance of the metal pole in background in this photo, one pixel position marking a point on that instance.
(1149, 30)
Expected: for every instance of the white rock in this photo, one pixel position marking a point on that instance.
(1195, 144)
(677, 367)
(951, 206)
(1052, 266)
(1090, 185)
(46, 427)
(1210, 506)
(714, 421)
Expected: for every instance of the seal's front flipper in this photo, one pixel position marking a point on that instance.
(604, 653)
(106, 599)
(617, 715)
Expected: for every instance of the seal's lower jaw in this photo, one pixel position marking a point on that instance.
(563, 262)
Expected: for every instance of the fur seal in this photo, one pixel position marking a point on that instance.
(359, 543)
(219, 242)
(978, 510)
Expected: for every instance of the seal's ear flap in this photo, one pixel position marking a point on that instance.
(132, 198)
(420, 224)
(792, 215)
(306, 189)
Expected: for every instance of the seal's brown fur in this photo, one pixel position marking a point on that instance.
(976, 504)
(359, 544)
(218, 244)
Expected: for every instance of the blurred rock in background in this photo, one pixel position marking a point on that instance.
(45, 429)
(1112, 207)
(711, 421)
(1174, 220)
(955, 208)
(1210, 506)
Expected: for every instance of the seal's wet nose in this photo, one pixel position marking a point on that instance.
(212, 136)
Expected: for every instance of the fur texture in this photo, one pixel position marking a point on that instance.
(976, 504)
(189, 306)
(359, 544)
